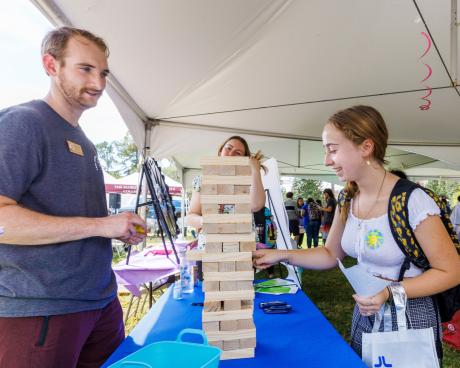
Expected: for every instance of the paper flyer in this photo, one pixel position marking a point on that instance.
(363, 282)
(276, 287)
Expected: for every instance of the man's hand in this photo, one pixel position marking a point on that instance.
(126, 227)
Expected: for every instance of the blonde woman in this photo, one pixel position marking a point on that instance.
(355, 140)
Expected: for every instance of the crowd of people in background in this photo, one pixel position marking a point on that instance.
(310, 218)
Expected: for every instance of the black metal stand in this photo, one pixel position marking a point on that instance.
(152, 174)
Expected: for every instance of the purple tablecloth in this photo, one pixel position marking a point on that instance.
(145, 266)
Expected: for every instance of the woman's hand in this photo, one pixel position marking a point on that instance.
(264, 258)
(369, 306)
(254, 161)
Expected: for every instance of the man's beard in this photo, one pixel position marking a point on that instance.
(75, 96)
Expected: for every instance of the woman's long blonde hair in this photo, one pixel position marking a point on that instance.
(359, 123)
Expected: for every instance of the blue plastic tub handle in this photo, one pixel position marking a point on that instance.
(192, 331)
(136, 363)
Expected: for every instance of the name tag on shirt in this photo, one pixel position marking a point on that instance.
(75, 148)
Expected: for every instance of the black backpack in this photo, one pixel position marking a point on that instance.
(398, 215)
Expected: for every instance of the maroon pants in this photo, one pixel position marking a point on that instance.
(83, 339)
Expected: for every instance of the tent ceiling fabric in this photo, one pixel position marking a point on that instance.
(277, 68)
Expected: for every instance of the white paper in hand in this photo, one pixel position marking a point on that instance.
(363, 282)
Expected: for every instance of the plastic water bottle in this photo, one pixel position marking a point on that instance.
(186, 274)
(177, 290)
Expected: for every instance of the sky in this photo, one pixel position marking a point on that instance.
(22, 78)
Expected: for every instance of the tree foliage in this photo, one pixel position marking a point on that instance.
(118, 158)
(448, 188)
(306, 188)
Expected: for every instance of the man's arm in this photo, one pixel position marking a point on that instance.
(22, 226)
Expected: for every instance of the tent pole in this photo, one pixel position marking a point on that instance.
(454, 42)
(299, 142)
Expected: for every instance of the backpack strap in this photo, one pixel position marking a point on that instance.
(398, 216)
(403, 234)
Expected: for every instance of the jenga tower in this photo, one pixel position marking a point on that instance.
(227, 260)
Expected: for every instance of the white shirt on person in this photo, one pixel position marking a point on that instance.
(372, 243)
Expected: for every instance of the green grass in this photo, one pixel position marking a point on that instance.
(332, 295)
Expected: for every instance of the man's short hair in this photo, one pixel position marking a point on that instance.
(289, 195)
(55, 41)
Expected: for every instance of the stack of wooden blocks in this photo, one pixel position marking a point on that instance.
(227, 261)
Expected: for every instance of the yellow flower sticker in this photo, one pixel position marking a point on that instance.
(374, 239)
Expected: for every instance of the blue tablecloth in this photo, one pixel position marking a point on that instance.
(302, 338)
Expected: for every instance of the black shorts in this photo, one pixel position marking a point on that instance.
(294, 227)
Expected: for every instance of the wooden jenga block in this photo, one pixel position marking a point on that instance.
(215, 296)
(213, 247)
(231, 345)
(230, 238)
(211, 285)
(212, 306)
(209, 209)
(226, 266)
(218, 344)
(228, 315)
(227, 170)
(243, 266)
(227, 257)
(195, 255)
(229, 276)
(230, 247)
(231, 335)
(225, 218)
(245, 324)
(226, 198)
(245, 304)
(242, 208)
(225, 160)
(244, 285)
(226, 189)
(248, 343)
(243, 170)
(221, 179)
(210, 266)
(242, 189)
(228, 286)
(220, 228)
(211, 170)
(243, 228)
(248, 246)
(208, 189)
(228, 325)
(230, 305)
(211, 326)
(237, 354)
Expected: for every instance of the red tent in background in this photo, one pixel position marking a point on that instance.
(128, 184)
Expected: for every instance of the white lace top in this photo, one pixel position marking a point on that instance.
(373, 244)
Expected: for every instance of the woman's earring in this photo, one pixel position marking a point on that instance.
(368, 162)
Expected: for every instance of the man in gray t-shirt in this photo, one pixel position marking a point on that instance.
(58, 302)
(293, 215)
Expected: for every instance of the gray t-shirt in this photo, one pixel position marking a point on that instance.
(291, 209)
(328, 217)
(40, 172)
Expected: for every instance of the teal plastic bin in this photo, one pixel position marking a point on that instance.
(169, 354)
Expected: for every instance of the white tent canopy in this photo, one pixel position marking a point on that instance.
(187, 74)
